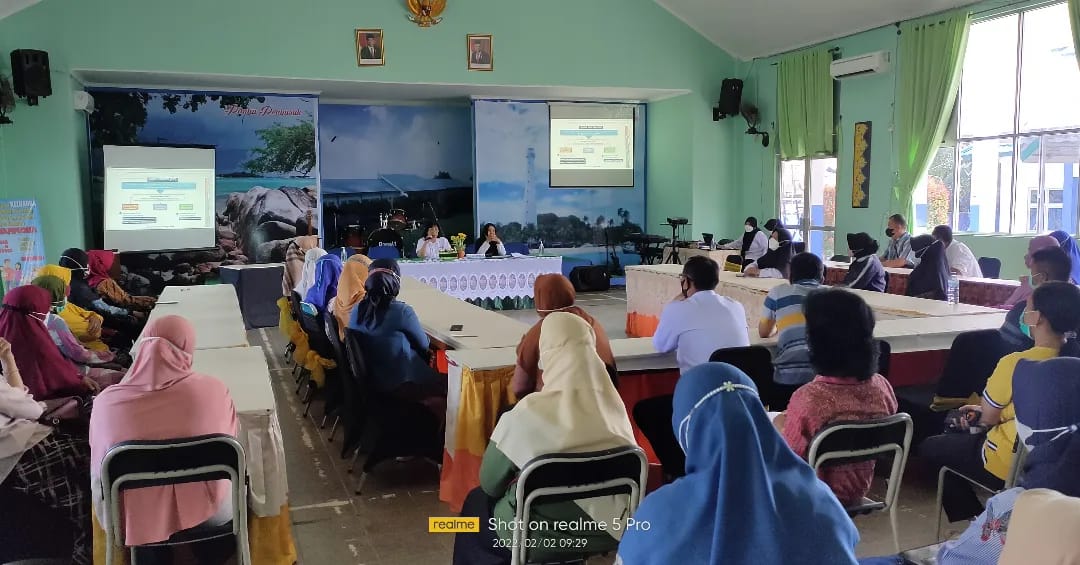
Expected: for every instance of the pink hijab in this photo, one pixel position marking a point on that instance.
(161, 398)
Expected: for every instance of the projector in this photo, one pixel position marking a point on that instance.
(677, 221)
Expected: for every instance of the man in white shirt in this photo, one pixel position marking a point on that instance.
(699, 321)
(961, 260)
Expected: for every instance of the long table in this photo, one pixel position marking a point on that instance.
(213, 309)
(481, 329)
(973, 290)
(478, 279)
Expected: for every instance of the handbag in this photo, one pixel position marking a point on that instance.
(70, 414)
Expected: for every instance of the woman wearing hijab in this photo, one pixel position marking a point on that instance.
(752, 245)
(577, 411)
(1043, 530)
(350, 290)
(1068, 244)
(865, 271)
(87, 360)
(393, 339)
(1037, 243)
(294, 261)
(553, 293)
(930, 278)
(307, 274)
(163, 398)
(324, 289)
(489, 244)
(746, 497)
(40, 461)
(127, 323)
(86, 325)
(104, 271)
(775, 264)
(46, 372)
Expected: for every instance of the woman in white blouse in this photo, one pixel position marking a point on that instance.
(432, 244)
(489, 244)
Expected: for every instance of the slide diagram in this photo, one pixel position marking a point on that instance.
(159, 199)
(592, 144)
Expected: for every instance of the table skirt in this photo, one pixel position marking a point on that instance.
(978, 293)
(483, 278)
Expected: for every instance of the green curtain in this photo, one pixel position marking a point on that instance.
(931, 58)
(805, 108)
(1074, 18)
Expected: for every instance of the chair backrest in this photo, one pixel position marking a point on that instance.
(560, 477)
(314, 328)
(354, 355)
(1016, 470)
(884, 362)
(972, 359)
(755, 361)
(144, 463)
(517, 247)
(850, 442)
(990, 267)
(383, 252)
(294, 304)
(330, 325)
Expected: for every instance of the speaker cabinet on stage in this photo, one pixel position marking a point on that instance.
(730, 99)
(30, 74)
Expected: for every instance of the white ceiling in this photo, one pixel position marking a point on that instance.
(345, 90)
(8, 7)
(748, 29)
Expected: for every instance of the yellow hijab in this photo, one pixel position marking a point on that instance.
(77, 319)
(350, 289)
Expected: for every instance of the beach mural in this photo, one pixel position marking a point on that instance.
(266, 191)
(413, 162)
(513, 191)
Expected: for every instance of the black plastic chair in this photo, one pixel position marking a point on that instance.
(798, 247)
(332, 398)
(141, 464)
(990, 267)
(396, 427)
(30, 531)
(317, 341)
(755, 361)
(884, 362)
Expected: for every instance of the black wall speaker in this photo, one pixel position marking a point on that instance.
(30, 74)
(730, 99)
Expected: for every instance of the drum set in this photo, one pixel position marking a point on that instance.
(393, 226)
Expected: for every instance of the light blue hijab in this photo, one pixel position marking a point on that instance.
(327, 274)
(1068, 245)
(746, 497)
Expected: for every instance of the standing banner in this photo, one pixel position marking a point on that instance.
(22, 246)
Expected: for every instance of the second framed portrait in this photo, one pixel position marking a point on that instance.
(481, 54)
(370, 48)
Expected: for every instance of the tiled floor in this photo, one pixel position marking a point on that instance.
(387, 524)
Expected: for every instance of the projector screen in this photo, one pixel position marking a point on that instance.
(158, 198)
(592, 145)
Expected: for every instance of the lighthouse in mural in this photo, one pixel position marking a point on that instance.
(530, 187)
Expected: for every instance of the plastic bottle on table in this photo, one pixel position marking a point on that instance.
(541, 247)
(952, 293)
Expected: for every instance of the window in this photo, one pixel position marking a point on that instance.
(1016, 164)
(820, 175)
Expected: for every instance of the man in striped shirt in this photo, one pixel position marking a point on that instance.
(783, 314)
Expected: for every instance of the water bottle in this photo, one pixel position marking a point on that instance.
(541, 248)
(952, 294)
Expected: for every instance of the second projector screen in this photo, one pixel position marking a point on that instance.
(592, 145)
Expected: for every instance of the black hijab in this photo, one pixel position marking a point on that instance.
(779, 258)
(383, 286)
(861, 244)
(748, 237)
(772, 224)
(78, 262)
(930, 278)
(492, 250)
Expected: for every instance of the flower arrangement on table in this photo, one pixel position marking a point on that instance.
(458, 242)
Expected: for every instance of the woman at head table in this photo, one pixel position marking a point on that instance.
(432, 243)
(489, 244)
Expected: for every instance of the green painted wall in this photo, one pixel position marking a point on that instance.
(868, 98)
(550, 43)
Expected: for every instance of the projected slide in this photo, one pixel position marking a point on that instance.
(160, 199)
(592, 144)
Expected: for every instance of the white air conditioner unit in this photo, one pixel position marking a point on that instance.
(868, 64)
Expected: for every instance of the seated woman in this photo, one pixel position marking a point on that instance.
(90, 362)
(489, 244)
(126, 322)
(294, 261)
(1046, 265)
(746, 497)
(1021, 293)
(865, 271)
(163, 398)
(432, 243)
(1069, 246)
(1053, 311)
(393, 340)
(350, 290)
(40, 461)
(324, 288)
(104, 272)
(578, 410)
(45, 370)
(307, 273)
(776, 262)
(930, 277)
(553, 293)
(1045, 412)
(86, 325)
(752, 245)
(840, 335)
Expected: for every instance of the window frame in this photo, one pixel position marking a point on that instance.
(806, 225)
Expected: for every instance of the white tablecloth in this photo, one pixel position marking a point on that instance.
(213, 309)
(471, 279)
(244, 371)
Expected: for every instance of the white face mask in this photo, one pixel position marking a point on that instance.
(749, 228)
(774, 244)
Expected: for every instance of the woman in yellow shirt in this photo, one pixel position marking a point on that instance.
(1052, 312)
(84, 324)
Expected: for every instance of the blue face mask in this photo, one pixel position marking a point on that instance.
(58, 307)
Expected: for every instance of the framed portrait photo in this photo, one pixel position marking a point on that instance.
(481, 55)
(370, 48)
